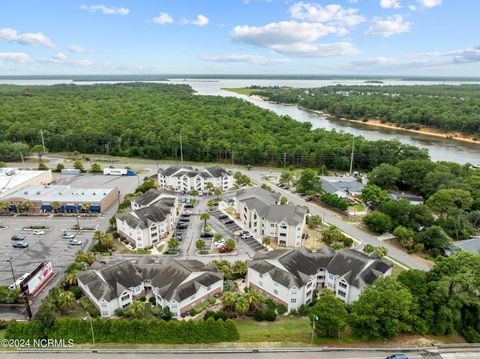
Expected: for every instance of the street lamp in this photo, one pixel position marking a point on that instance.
(91, 327)
(314, 318)
(13, 273)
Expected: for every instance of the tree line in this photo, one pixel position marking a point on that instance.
(445, 107)
(146, 120)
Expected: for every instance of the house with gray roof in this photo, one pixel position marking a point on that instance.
(471, 245)
(261, 213)
(289, 276)
(178, 284)
(342, 187)
(151, 218)
(186, 178)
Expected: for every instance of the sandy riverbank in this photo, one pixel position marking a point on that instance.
(458, 136)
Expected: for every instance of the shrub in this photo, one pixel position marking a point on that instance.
(303, 310)
(129, 331)
(259, 315)
(142, 299)
(119, 312)
(89, 307)
(334, 200)
(156, 310)
(151, 300)
(270, 315)
(193, 312)
(348, 242)
(271, 304)
(378, 222)
(77, 292)
(281, 309)
(293, 312)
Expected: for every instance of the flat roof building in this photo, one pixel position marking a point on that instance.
(13, 179)
(63, 199)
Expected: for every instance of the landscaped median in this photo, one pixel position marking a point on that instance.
(128, 331)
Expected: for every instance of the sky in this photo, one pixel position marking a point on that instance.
(344, 37)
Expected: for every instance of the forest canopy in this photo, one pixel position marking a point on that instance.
(146, 119)
(444, 107)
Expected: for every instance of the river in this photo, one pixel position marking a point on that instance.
(440, 149)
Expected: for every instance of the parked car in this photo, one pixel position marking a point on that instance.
(246, 235)
(187, 213)
(75, 242)
(189, 205)
(206, 235)
(184, 219)
(18, 281)
(38, 232)
(219, 244)
(182, 225)
(177, 235)
(18, 237)
(20, 245)
(397, 356)
(224, 250)
(223, 216)
(229, 221)
(68, 235)
(182, 193)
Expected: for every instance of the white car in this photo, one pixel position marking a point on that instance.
(75, 242)
(246, 235)
(38, 232)
(219, 244)
(68, 236)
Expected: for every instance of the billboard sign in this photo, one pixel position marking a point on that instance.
(38, 277)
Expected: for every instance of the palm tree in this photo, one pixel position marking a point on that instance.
(85, 207)
(71, 278)
(217, 191)
(205, 217)
(240, 268)
(209, 186)
(266, 241)
(85, 257)
(251, 297)
(173, 243)
(241, 305)
(230, 244)
(228, 300)
(27, 205)
(200, 244)
(56, 205)
(136, 309)
(3, 206)
(217, 236)
(65, 301)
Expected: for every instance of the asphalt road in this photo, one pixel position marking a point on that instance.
(332, 218)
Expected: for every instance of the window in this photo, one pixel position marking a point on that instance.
(260, 283)
(283, 234)
(104, 313)
(275, 292)
(272, 225)
(309, 284)
(341, 293)
(309, 293)
(343, 285)
(293, 300)
(124, 297)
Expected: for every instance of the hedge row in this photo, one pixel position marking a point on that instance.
(130, 331)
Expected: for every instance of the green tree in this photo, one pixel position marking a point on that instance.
(286, 177)
(59, 167)
(283, 200)
(85, 257)
(309, 182)
(230, 244)
(384, 310)
(384, 176)
(136, 309)
(368, 248)
(173, 243)
(228, 300)
(405, 236)
(378, 222)
(314, 221)
(434, 239)
(78, 165)
(204, 217)
(241, 305)
(65, 301)
(240, 268)
(381, 251)
(38, 150)
(96, 168)
(266, 241)
(448, 201)
(200, 244)
(373, 196)
(332, 235)
(330, 315)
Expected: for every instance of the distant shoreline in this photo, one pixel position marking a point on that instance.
(458, 136)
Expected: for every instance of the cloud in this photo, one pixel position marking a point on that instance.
(200, 21)
(28, 38)
(390, 4)
(426, 59)
(281, 33)
(163, 19)
(317, 50)
(17, 57)
(61, 59)
(245, 58)
(77, 49)
(105, 9)
(331, 14)
(429, 3)
(390, 26)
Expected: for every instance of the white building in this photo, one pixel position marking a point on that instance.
(341, 187)
(187, 178)
(14, 179)
(289, 277)
(260, 212)
(179, 285)
(151, 218)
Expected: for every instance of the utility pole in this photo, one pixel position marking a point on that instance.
(233, 160)
(13, 273)
(181, 149)
(43, 140)
(21, 155)
(284, 159)
(351, 156)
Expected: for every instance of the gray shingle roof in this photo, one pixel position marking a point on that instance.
(150, 196)
(172, 169)
(177, 280)
(145, 217)
(471, 245)
(341, 186)
(265, 196)
(294, 267)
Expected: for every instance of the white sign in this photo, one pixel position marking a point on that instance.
(40, 277)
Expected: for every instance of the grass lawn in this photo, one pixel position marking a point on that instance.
(2, 333)
(396, 270)
(357, 207)
(284, 329)
(240, 90)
